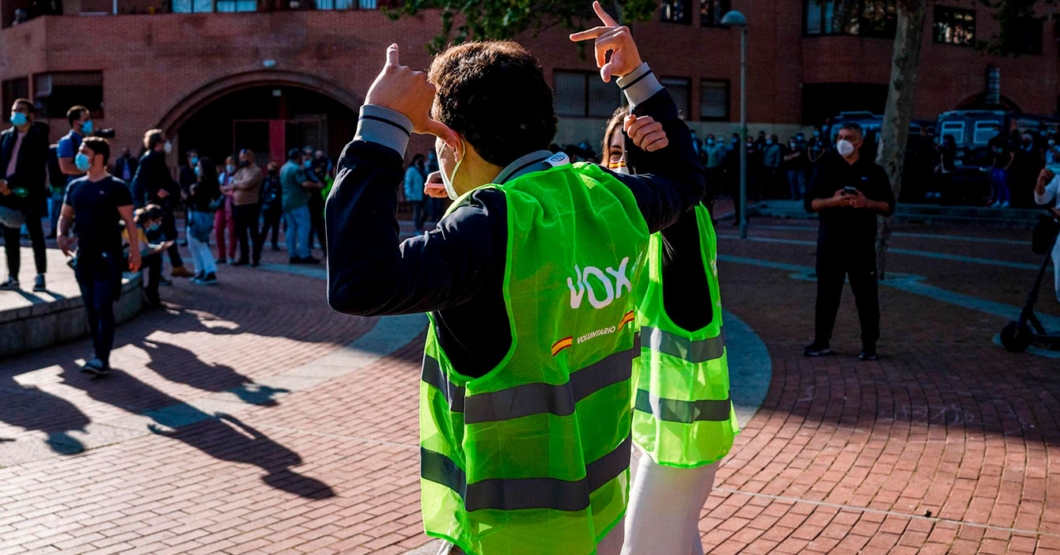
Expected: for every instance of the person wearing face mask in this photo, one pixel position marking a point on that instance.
(297, 187)
(816, 147)
(204, 198)
(1025, 169)
(152, 245)
(679, 454)
(772, 162)
(272, 204)
(795, 162)
(514, 281)
(224, 222)
(714, 158)
(246, 208)
(23, 188)
(153, 184)
(97, 202)
(848, 191)
(80, 121)
(1003, 157)
(318, 171)
(125, 166)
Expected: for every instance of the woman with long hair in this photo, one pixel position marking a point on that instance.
(204, 199)
(683, 419)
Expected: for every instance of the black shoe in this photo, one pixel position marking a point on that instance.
(165, 282)
(294, 260)
(868, 353)
(96, 367)
(815, 350)
(10, 285)
(275, 247)
(39, 285)
(255, 264)
(240, 262)
(209, 279)
(310, 260)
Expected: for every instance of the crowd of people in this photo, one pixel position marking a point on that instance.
(110, 215)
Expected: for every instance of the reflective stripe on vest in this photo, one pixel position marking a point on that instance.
(673, 410)
(532, 457)
(532, 398)
(682, 410)
(694, 351)
(526, 493)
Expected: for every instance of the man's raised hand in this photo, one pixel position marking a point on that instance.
(614, 38)
(407, 92)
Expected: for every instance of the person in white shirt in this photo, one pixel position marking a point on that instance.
(1048, 191)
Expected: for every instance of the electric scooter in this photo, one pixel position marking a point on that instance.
(1028, 330)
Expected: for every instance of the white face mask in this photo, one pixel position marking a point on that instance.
(169, 147)
(845, 148)
(448, 180)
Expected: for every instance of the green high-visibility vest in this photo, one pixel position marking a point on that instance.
(683, 414)
(533, 457)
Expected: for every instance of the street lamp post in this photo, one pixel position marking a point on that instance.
(737, 19)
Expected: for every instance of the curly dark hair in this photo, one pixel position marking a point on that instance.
(495, 95)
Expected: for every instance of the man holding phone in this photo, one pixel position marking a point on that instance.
(848, 191)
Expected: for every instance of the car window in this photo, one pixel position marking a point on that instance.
(954, 129)
(984, 131)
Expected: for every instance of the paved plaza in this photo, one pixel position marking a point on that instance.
(250, 418)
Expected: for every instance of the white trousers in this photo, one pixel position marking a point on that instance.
(664, 507)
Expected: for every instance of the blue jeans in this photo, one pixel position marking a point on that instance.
(99, 276)
(797, 183)
(999, 184)
(298, 223)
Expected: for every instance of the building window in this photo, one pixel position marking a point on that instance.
(193, 6)
(864, 18)
(582, 94)
(57, 92)
(954, 26)
(713, 100)
(676, 11)
(711, 12)
(13, 89)
(231, 6)
(1022, 35)
(681, 91)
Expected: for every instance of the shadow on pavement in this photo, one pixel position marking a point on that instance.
(220, 436)
(33, 409)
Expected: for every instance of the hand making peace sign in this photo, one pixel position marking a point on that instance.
(614, 38)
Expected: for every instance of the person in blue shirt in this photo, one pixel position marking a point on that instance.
(80, 120)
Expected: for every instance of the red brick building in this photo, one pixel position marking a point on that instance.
(270, 74)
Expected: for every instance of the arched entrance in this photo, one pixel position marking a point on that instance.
(979, 102)
(265, 111)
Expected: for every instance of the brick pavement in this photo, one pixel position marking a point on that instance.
(947, 444)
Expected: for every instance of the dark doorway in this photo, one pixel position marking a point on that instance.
(268, 120)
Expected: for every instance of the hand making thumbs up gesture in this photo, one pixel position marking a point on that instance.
(408, 92)
(614, 38)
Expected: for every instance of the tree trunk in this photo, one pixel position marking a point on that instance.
(905, 68)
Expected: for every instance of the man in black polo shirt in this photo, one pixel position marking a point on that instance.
(96, 205)
(849, 192)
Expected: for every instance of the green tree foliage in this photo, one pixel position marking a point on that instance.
(466, 20)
